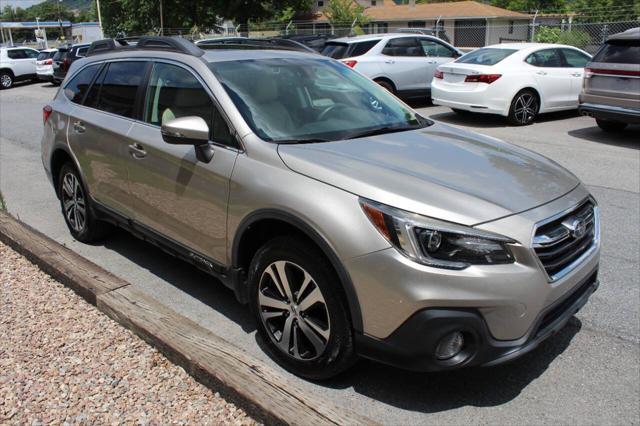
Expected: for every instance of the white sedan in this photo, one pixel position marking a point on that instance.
(516, 80)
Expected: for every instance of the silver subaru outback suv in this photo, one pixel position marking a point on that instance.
(350, 224)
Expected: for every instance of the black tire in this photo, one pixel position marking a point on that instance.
(79, 215)
(6, 80)
(524, 108)
(387, 85)
(330, 315)
(461, 111)
(610, 126)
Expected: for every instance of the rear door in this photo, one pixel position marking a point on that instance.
(175, 194)
(24, 61)
(436, 54)
(99, 132)
(553, 78)
(575, 61)
(403, 60)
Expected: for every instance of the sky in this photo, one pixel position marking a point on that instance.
(21, 3)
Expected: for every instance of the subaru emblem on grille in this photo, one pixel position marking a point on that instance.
(579, 228)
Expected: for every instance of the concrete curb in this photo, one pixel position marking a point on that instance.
(262, 391)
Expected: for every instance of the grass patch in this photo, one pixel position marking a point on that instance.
(1, 202)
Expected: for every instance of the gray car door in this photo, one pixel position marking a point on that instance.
(175, 194)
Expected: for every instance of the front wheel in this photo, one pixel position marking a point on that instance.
(610, 126)
(76, 207)
(296, 300)
(387, 85)
(524, 108)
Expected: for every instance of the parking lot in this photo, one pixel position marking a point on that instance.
(587, 373)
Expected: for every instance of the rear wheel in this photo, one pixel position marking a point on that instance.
(300, 312)
(524, 108)
(610, 126)
(387, 85)
(6, 80)
(76, 207)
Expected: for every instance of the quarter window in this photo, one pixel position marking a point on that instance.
(116, 89)
(175, 92)
(78, 86)
(405, 46)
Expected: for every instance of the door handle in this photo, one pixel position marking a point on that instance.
(541, 72)
(432, 62)
(577, 74)
(78, 126)
(137, 151)
(389, 61)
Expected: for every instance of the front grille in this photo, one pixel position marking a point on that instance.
(561, 241)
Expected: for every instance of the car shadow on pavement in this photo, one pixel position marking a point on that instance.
(628, 138)
(478, 120)
(477, 387)
(183, 276)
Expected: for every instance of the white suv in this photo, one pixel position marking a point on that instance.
(404, 64)
(17, 63)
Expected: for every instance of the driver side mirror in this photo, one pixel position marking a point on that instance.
(191, 130)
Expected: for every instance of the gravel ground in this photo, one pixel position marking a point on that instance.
(62, 361)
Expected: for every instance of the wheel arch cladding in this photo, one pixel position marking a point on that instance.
(58, 158)
(263, 225)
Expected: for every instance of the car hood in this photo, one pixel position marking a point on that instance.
(438, 171)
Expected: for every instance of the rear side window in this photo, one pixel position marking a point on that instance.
(627, 52)
(335, 50)
(405, 46)
(59, 55)
(78, 86)
(17, 54)
(363, 47)
(548, 58)
(574, 58)
(116, 90)
(486, 56)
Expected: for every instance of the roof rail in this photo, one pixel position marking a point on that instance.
(175, 44)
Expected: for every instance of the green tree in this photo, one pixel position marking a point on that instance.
(343, 14)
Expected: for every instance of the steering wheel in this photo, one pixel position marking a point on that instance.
(330, 109)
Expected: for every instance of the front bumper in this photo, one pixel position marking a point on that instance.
(413, 344)
(610, 112)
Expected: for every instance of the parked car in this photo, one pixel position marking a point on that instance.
(250, 43)
(403, 64)
(440, 33)
(17, 64)
(44, 64)
(611, 90)
(64, 57)
(516, 80)
(314, 41)
(349, 223)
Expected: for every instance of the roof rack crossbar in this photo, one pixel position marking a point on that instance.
(175, 44)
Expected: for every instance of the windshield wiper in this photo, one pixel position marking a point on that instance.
(301, 140)
(383, 130)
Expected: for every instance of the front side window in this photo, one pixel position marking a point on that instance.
(575, 58)
(174, 92)
(116, 90)
(78, 86)
(17, 54)
(486, 56)
(405, 46)
(548, 58)
(434, 49)
(311, 100)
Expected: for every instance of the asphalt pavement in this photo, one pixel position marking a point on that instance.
(588, 373)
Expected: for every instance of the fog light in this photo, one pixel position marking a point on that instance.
(450, 345)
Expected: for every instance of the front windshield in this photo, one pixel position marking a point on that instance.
(311, 100)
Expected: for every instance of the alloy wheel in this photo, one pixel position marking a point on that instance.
(73, 201)
(293, 310)
(6, 81)
(525, 108)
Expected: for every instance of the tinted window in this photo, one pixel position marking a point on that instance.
(16, 54)
(117, 93)
(30, 53)
(548, 58)
(362, 47)
(406, 46)
(627, 52)
(79, 85)
(43, 55)
(574, 58)
(82, 51)
(435, 49)
(174, 92)
(486, 56)
(335, 50)
(59, 55)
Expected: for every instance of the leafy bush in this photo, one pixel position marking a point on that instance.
(577, 38)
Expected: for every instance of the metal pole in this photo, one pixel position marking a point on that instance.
(533, 26)
(161, 20)
(2, 34)
(60, 21)
(10, 37)
(99, 17)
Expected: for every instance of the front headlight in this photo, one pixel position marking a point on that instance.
(437, 243)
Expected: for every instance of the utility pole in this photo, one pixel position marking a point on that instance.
(99, 17)
(60, 20)
(161, 20)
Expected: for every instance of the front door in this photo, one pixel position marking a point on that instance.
(176, 195)
(404, 62)
(435, 54)
(575, 62)
(552, 77)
